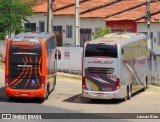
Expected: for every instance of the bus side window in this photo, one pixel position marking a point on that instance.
(154, 57)
(48, 48)
(122, 51)
(126, 53)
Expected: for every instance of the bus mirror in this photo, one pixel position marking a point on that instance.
(58, 55)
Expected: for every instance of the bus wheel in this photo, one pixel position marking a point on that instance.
(54, 83)
(47, 92)
(11, 98)
(129, 92)
(145, 84)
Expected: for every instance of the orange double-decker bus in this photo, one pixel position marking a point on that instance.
(30, 66)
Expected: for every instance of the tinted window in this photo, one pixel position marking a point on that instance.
(41, 26)
(101, 50)
(30, 27)
(51, 45)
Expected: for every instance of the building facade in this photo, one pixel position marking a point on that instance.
(127, 17)
(64, 27)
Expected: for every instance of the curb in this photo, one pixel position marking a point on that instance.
(69, 75)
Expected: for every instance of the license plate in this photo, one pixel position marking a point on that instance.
(24, 94)
(100, 94)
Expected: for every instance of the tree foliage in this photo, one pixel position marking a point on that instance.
(102, 32)
(12, 12)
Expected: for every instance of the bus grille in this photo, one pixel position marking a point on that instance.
(100, 70)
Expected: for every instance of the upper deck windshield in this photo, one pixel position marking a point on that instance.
(98, 50)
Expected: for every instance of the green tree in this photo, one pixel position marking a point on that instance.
(12, 12)
(102, 32)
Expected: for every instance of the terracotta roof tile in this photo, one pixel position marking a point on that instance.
(154, 18)
(92, 10)
(61, 3)
(41, 5)
(40, 8)
(83, 6)
(135, 14)
(117, 7)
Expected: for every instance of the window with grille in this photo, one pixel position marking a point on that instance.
(69, 31)
(30, 27)
(158, 38)
(41, 26)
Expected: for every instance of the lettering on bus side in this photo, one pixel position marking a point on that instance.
(100, 62)
(23, 43)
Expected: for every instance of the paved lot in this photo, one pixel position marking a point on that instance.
(67, 95)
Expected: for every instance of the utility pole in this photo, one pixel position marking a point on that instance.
(77, 22)
(150, 43)
(148, 16)
(50, 16)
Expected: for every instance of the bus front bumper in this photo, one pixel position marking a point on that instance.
(25, 93)
(103, 95)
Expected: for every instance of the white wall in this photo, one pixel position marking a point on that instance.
(38, 17)
(92, 23)
(64, 20)
(155, 27)
(71, 60)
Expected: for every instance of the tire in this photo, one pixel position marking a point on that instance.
(145, 84)
(11, 98)
(129, 92)
(93, 100)
(54, 84)
(47, 93)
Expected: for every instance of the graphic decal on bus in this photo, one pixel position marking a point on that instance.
(25, 66)
(132, 71)
(97, 79)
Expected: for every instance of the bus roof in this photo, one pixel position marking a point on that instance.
(118, 38)
(32, 36)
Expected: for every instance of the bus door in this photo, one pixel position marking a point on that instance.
(100, 67)
(25, 65)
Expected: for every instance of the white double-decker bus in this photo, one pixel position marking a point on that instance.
(115, 66)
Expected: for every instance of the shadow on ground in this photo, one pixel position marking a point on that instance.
(3, 98)
(79, 99)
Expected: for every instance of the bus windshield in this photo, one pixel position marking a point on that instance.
(93, 50)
